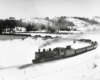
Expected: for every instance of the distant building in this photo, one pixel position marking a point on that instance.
(20, 29)
(12, 18)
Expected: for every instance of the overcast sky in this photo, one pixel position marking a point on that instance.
(50, 8)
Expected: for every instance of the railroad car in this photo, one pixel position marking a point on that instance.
(82, 40)
(81, 50)
(95, 44)
(90, 47)
(48, 37)
(37, 36)
(87, 40)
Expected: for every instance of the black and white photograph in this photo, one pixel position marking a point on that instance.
(49, 39)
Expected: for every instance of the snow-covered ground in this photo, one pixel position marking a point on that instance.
(17, 56)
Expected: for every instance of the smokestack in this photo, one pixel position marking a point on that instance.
(43, 50)
(49, 49)
(38, 50)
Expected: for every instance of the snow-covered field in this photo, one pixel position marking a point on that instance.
(16, 56)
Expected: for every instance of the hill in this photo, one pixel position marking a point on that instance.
(62, 23)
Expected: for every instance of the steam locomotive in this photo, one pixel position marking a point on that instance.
(61, 52)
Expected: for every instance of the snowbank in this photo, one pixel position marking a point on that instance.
(83, 67)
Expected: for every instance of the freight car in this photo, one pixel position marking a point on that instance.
(60, 52)
(37, 36)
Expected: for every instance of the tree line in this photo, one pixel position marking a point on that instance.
(60, 24)
(92, 22)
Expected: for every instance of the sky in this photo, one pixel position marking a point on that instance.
(49, 8)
